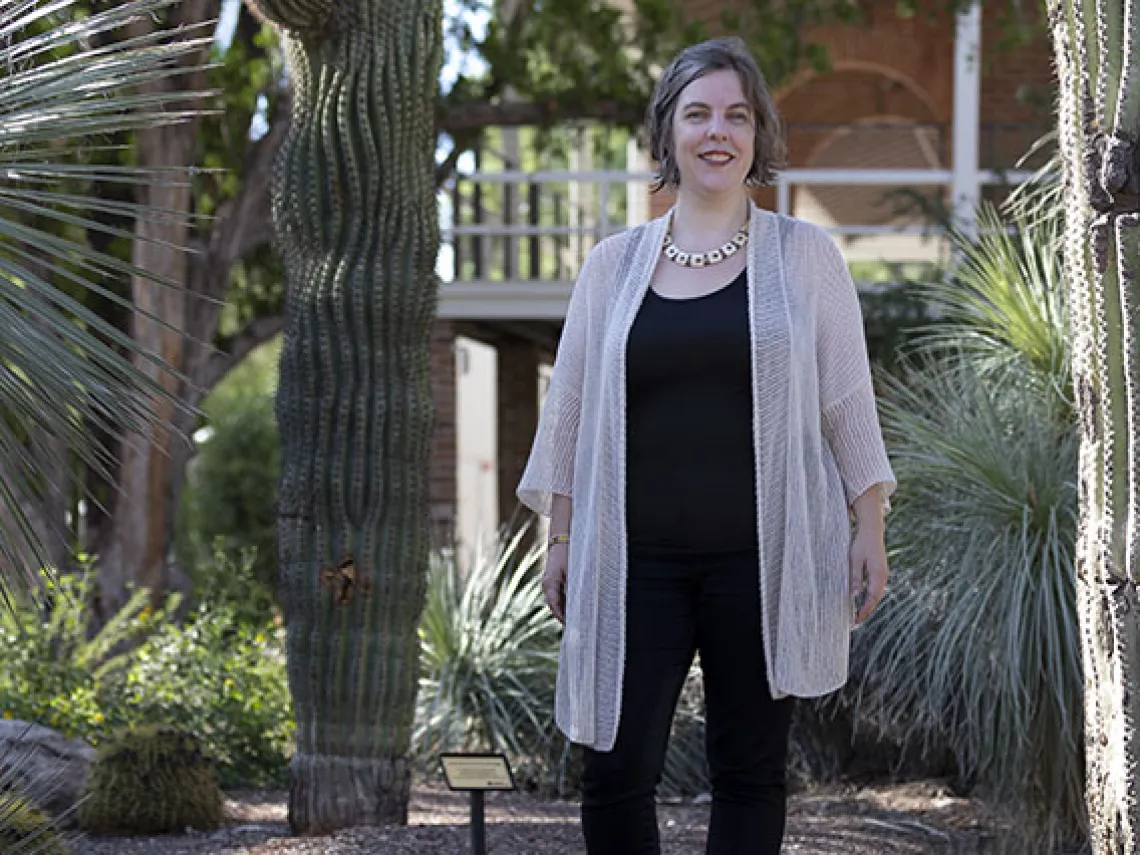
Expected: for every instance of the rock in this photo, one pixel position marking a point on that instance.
(44, 765)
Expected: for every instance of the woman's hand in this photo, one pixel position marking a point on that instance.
(554, 580)
(868, 571)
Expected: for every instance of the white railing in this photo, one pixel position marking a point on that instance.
(527, 226)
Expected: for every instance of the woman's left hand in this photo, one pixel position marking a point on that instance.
(868, 571)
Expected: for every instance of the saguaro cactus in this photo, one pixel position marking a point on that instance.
(355, 218)
(1098, 61)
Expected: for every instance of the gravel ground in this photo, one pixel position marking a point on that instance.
(912, 819)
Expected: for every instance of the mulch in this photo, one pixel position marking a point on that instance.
(911, 819)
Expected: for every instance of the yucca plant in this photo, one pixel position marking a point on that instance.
(70, 79)
(490, 657)
(977, 645)
(1002, 306)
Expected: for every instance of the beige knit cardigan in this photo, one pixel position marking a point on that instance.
(817, 440)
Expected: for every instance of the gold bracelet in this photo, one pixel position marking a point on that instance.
(558, 538)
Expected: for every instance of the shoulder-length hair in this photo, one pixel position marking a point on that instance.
(724, 54)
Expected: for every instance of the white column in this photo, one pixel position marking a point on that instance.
(965, 190)
(636, 192)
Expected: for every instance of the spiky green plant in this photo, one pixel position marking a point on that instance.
(490, 657)
(1003, 304)
(26, 830)
(1097, 50)
(977, 645)
(356, 223)
(71, 79)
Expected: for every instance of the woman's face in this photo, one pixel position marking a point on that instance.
(714, 133)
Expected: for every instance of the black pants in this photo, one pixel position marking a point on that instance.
(675, 605)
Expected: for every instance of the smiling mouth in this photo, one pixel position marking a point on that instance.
(717, 158)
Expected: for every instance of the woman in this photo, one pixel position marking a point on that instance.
(707, 440)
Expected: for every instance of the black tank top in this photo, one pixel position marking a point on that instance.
(690, 469)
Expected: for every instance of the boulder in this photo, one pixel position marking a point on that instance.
(44, 765)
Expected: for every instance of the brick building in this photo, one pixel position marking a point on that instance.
(931, 107)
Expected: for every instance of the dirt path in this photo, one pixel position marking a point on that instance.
(904, 820)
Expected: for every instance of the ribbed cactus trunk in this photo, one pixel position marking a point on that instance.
(355, 217)
(1097, 46)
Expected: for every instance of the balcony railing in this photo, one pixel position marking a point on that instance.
(534, 227)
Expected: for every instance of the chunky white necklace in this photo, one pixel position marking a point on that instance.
(706, 259)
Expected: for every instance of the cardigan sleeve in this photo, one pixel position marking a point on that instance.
(850, 419)
(550, 466)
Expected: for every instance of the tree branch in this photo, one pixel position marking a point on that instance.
(444, 170)
(480, 114)
(256, 333)
(243, 223)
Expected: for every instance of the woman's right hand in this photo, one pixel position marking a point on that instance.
(554, 580)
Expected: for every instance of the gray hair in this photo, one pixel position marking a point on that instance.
(724, 54)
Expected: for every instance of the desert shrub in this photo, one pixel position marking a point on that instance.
(224, 682)
(977, 645)
(58, 665)
(25, 829)
(490, 656)
(209, 675)
(151, 780)
(228, 579)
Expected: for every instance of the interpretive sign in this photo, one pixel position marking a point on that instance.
(477, 774)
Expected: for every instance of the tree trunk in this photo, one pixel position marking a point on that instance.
(133, 546)
(355, 213)
(1097, 47)
(133, 539)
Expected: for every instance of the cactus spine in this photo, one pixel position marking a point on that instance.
(355, 218)
(1097, 46)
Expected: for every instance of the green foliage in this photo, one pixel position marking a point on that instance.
(26, 830)
(490, 657)
(210, 676)
(893, 316)
(59, 109)
(151, 780)
(226, 530)
(223, 682)
(55, 659)
(1004, 304)
(977, 644)
(246, 74)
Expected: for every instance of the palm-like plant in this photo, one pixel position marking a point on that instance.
(69, 81)
(490, 654)
(1003, 305)
(977, 646)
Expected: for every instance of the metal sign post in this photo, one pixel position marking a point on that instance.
(477, 774)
